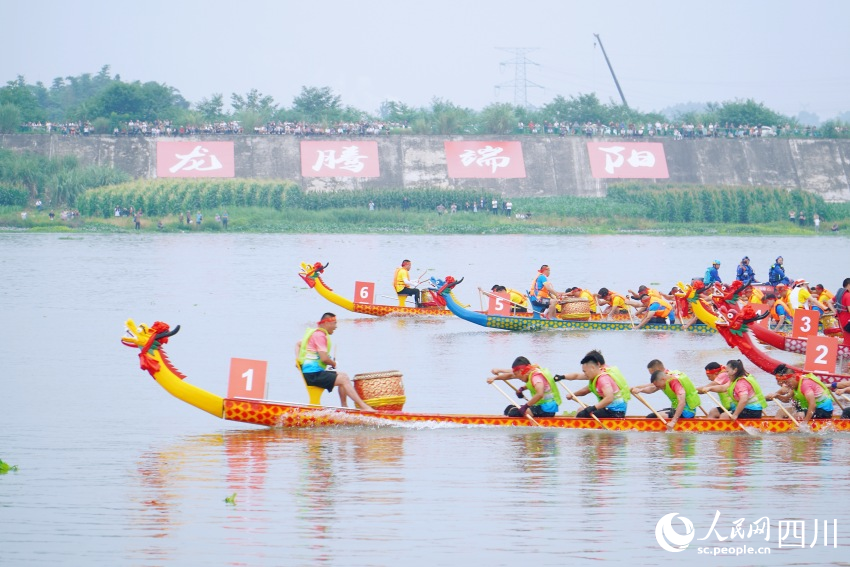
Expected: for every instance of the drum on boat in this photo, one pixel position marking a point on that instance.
(383, 391)
(575, 309)
(830, 325)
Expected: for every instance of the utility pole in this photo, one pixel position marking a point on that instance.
(520, 82)
(610, 68)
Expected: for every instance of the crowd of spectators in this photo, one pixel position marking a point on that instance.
(678, 131)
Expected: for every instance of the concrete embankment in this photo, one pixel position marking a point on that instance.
(553, 165)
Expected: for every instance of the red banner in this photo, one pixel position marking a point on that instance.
(194, 159)
(627, 160)
(501, 160)
(339, 159)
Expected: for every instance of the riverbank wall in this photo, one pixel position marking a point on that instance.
(553, 165)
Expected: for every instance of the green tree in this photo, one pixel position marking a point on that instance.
(315, 104)
(499, 118)
(254, 101)
(748, 112)
(212, 108)
(583, 108)
(21, 95)
(10, 118)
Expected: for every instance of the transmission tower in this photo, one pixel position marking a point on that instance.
(520, 83)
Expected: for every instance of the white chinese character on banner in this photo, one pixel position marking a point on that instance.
(349, 159)
(614, 158)
(488, 156)
(641, 159)
(194, 161)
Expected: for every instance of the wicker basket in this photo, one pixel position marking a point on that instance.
(575, 309)
(383, 391)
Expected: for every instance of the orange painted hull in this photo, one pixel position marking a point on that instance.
(280, 414)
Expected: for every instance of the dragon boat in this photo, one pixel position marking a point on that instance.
(733, 324)
(534, 322)
(433, 305)
(152, 357)
(790, 344)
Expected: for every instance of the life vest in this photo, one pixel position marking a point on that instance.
(666, 308)
(612, 296)
(552, 394)
(691, 396)
(517, 297)
(757, 296)
(775, 316)
(303, 355)
(538, 293)
(776, 274)
(614, 373)
(820, 401)
(726, 399)
(757, 396)
(590, 298)
(398, 279)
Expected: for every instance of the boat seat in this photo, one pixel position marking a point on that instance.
(402, 300)
(313, 392)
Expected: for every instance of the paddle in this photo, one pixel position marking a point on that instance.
(834, 397)
(583, 406)
(748, 430)
(514, 403)
(846, 397)
(791, 417)
(652, 409)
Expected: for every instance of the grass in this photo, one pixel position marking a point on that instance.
(394, 221)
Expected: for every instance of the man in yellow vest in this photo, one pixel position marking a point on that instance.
(313, 360)
(402, 283)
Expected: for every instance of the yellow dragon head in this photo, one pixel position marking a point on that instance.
(150, 340)
(311, 272)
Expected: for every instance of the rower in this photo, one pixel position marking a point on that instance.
(545, 397)
(607, 383)
(676, 386)
(812, 395)
(747, 401)
(779, 310)
(616, 303)
(719, 383)
(657, 311)
(519, 302)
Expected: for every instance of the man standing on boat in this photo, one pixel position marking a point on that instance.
(607, 383)
(545, 397)
(711, 275)
(313, 360)
(402, 283)
(776, 274)
(745, 272)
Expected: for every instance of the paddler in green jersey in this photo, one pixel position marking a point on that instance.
(607, 383)
(811, 395)
(680, 390)
(545, 397)
(719, 384)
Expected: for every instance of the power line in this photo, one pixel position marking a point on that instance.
(520, 83)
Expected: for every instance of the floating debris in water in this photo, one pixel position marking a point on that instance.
(231, 499)
(6, 467)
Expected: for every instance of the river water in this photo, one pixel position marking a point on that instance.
(114, 471)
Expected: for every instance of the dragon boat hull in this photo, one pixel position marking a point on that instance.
(267, 413)
(537, 323)
(789, 344)
(279, 414)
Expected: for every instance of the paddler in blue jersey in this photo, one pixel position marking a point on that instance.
(539, 382)
(607, 383)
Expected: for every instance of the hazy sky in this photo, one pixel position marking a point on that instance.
(791, 55)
